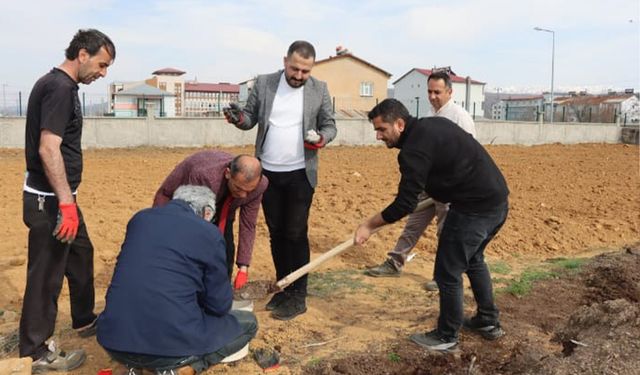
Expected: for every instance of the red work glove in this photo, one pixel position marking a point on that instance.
(241, 278)
(233, 114)
(67, 226)
(314, 146)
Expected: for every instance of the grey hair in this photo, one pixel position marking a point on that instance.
(198, 197)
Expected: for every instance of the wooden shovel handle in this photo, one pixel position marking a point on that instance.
(295, 275)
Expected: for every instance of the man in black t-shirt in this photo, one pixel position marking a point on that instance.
(59, 244)
(451, 166)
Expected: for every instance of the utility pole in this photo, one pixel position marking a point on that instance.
(4, 98)
(417, 106)
(553, 54)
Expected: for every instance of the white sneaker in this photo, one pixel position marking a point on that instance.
(58, 360)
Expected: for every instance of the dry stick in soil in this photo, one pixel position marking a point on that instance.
(259, 289)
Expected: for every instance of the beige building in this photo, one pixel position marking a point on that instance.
(170, 79)
(354, 84)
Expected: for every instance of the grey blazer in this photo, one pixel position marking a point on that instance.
(317, 115)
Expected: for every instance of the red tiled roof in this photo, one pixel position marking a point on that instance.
(454, 78)
(349, 55)
(519, 98)
(592, 99)
(170, 71)
(211, 87)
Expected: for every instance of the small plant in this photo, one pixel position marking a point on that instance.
(500, 268)
(394, 357)
(572, 264)
(313, 362)
(323, 284)
(523, 285)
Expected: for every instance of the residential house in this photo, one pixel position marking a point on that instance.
(518, 108)
(411, 90)
(613, 107)
(354, 84)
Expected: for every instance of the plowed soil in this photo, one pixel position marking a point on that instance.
(567, 201)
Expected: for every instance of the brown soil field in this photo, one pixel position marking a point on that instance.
(567, 202)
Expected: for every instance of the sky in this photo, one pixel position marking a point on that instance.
(597, 43)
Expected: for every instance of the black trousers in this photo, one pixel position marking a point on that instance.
(286, 204)
(49, 261)
(230, 244)
(461, 246)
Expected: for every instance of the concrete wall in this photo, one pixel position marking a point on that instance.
(109, 132)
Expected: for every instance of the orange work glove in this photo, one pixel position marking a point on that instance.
(241, 278)
(67, 226)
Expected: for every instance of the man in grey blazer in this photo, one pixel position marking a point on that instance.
(295, 118)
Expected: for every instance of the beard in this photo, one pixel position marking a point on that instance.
(295, 83)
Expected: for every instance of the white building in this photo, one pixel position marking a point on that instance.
(245, 90)
(170, 80)
(411, 90)
(143, 100)
(208, 99)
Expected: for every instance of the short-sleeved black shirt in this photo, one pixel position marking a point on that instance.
(54, 105)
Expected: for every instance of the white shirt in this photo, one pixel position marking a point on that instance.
(457, 114)
(282, 150)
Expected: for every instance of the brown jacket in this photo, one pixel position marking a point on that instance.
(206, 168)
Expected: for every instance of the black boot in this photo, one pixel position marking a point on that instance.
(276, 301)
(294, 305)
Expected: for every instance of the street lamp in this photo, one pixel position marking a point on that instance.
(553, 53)
(417, 106)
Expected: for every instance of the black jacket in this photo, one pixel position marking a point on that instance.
(440, 158)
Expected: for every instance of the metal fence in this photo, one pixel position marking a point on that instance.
(13, 101)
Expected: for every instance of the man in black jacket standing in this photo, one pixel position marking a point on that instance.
(451, 166)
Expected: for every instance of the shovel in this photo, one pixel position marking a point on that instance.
(261, 288)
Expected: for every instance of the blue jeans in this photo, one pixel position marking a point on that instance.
(248, 324)
(461, 247)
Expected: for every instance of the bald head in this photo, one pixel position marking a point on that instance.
(243, 175)
(246, 165)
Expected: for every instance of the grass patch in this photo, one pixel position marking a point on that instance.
(334, 282)
(522, 285)
(549, 269)
(500, 268)
(313, 362)
(501, 280)
(394, 357)
(571, 264)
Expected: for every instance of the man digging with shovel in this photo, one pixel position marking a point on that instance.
(439, 92)
(450, 166)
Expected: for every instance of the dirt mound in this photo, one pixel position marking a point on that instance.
(543, 336)
(402, 358)
(610, 278)
(603, 338)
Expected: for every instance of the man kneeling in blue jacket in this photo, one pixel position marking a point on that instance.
(169, 303)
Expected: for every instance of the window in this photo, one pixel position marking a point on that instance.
(366, 89)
